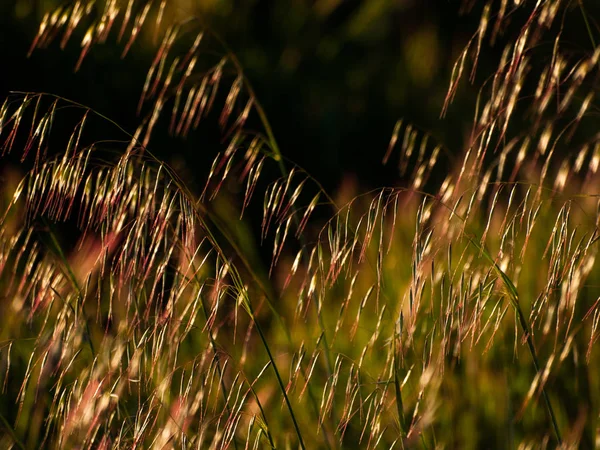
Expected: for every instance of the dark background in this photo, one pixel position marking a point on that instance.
(333, 76)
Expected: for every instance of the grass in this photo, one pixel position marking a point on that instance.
(457, 311)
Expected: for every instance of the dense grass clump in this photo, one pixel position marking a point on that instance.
(457, 311)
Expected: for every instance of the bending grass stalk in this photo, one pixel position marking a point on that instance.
(222, 230)
(278, 157)
(264, 416)
(180, 185)
(248, 307)
(587, 24)
(224, 390)
(213, 344)
(268, 295)
(277, 375)
(514, 300)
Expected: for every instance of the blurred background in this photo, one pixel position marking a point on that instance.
(333, 76)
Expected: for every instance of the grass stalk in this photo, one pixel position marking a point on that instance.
(587, 24)
(278, 157)
(514, 300)
(277, 375)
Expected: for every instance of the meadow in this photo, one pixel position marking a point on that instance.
(457, 309)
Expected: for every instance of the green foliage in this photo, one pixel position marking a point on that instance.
(452, 312)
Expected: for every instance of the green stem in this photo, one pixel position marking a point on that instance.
(213, 345)
(278, 376)
(224, 388)
(514, 299)
(536, 364)
(236, 276)
(278, 157)
(587, 24)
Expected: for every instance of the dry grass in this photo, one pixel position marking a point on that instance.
(458, 314)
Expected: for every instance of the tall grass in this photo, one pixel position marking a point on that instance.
(452, 312)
